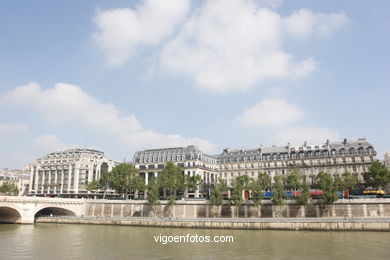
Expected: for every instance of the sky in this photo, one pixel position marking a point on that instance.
(122, 76)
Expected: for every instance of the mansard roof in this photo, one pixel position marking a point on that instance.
(327, 146)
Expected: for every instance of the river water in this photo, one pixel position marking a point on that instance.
(67, 241)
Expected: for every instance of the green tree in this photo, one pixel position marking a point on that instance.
(350, 181)
(122, 178)
(172, 179)
(106, 182)
(192, 182)
(216, 196)
(264, 181)
(305, 194)
(377, 176)
(93, 186)
(257, 192)
(136, 184)
(279, 195)
(171, 200)
(338, 183)
(9, 188)
(326, 183)
(154, 193)
(239, 184)
(294, 180)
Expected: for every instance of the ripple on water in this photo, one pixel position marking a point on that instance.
(56, 241)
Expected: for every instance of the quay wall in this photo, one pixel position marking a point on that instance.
(203, 209)
(324, 224)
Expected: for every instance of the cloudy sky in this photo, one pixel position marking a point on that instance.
(122, 76)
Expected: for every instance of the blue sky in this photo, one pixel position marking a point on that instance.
(122, 76)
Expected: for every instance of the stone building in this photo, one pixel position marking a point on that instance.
(67, 172)
(332, 157)
(19, 177)
(190, 158)
(386, 160)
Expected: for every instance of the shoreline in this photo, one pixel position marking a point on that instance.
(313, 224)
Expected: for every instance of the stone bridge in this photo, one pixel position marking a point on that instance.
(24, 210)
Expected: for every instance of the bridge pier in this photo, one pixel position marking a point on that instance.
(28, 219)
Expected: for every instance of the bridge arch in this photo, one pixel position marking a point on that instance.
(53, 211)
(10, 215)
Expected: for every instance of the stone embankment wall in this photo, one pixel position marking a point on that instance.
(339, 224)
(203, 209)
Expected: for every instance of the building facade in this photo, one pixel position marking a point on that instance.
(386, 160)
(331, 157)
(67, 172)
(19, 177)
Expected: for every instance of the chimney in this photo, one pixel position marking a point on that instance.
(345, 141)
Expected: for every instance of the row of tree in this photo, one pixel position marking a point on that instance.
(125, 179)
(377, 177)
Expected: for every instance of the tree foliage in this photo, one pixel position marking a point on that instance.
(303, 199)
(125, 178)
(294, 180)
(93, 186)
(172, 179)
(377, 176)
(264, 181)
(192, 182)
(9, 188)
(216, 196)
(326, 183)
(239, 184)
(257, 192)
(279, 195)
(350, 181)
(154, 193)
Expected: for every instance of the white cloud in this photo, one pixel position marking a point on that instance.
(13, 128)
(232, 45)
(311, 134)
(223, 46)
(51, 142)
(270, 112)
(69, 104)
(122, 32)
(304, 22)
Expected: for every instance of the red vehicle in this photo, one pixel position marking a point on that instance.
(315, 194)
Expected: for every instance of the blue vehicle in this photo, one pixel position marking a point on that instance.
(268, 195)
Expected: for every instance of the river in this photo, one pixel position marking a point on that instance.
(67, 241)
